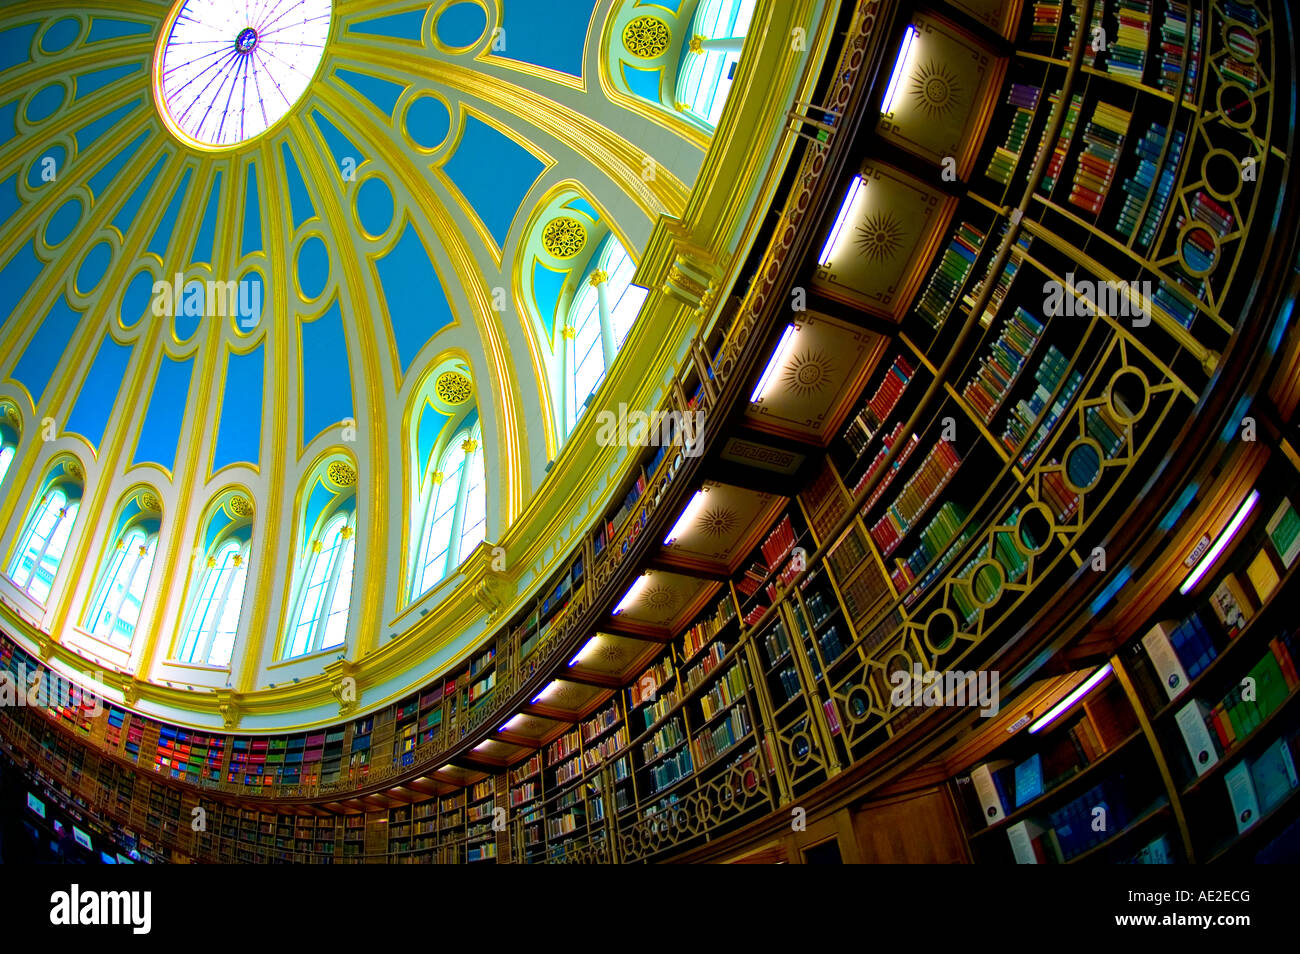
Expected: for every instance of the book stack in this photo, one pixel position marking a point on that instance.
(599, 723)
(748, 584)
(1047, 18)
(625, 510)
(775, 643)
(947, 279)
(1173, 43)
(1106, 431)
(930, 478)
(1062, 145)
(998, 371)
(1002, 164)
(1128, 54)
(938, 533)
(1104, 142)
(982, 587)
(1026, 411)
(864, 425)
(1139, 186)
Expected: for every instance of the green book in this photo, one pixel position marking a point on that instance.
(1284, 530)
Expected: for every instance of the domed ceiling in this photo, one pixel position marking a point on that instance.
(240, 236)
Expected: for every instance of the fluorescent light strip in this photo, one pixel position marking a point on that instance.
(505, 727)
(582, 652)
(1223, 540)
(550, 688)
(687, 518)
(633, 593)
(846, 207)
(902, 65)
(779, 357)
(1082, 690)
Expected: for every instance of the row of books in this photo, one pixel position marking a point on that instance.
(1056, 493)
(866, 422)
(1211, 732)
(726, 691)
(605, 749)
(998, 370)
(650, 682)
(1174, 45)
(931, 476)
(1128, 54)
(1137, 188)
(567, 744)
(1003, 284)
(600, 722)
(699, 635)
(887, 444)
(669, 736)
(936, 542)
(718, 739)
(1062, 145)
(1051, 369)
(950, 275)
(671, 770)
(1103, 139)
(1002, 164)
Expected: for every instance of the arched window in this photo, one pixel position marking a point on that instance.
(41, 546)
(210, 635)
(600, 317)
(322, 615)
(455, 511)
(707, 70)
(115, 609)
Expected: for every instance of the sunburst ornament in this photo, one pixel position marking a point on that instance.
(807, 373)
(935, 89)
(718, 523)
(660, 598)
(879, 238)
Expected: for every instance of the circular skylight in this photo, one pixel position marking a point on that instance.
(228, 70)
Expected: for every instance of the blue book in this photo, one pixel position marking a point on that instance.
(1029, 780)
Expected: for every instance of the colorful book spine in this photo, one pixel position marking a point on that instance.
(948, 278)
(1127, 55)
(1103, 145)
(864, 425)
(929, 480)
(998, 370)
(1175, 48)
